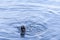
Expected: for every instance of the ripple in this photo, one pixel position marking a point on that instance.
(32, 28)
(31, 14)
(4, 39)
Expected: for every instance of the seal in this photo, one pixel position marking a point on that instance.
(23, 30)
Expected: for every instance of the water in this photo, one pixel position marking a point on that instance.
(41, 19)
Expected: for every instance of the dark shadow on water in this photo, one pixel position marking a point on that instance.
(22, 35)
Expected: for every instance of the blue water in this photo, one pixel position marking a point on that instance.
(40, 17)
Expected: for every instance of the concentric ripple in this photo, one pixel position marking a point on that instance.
(32, 28)
(40, 17)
